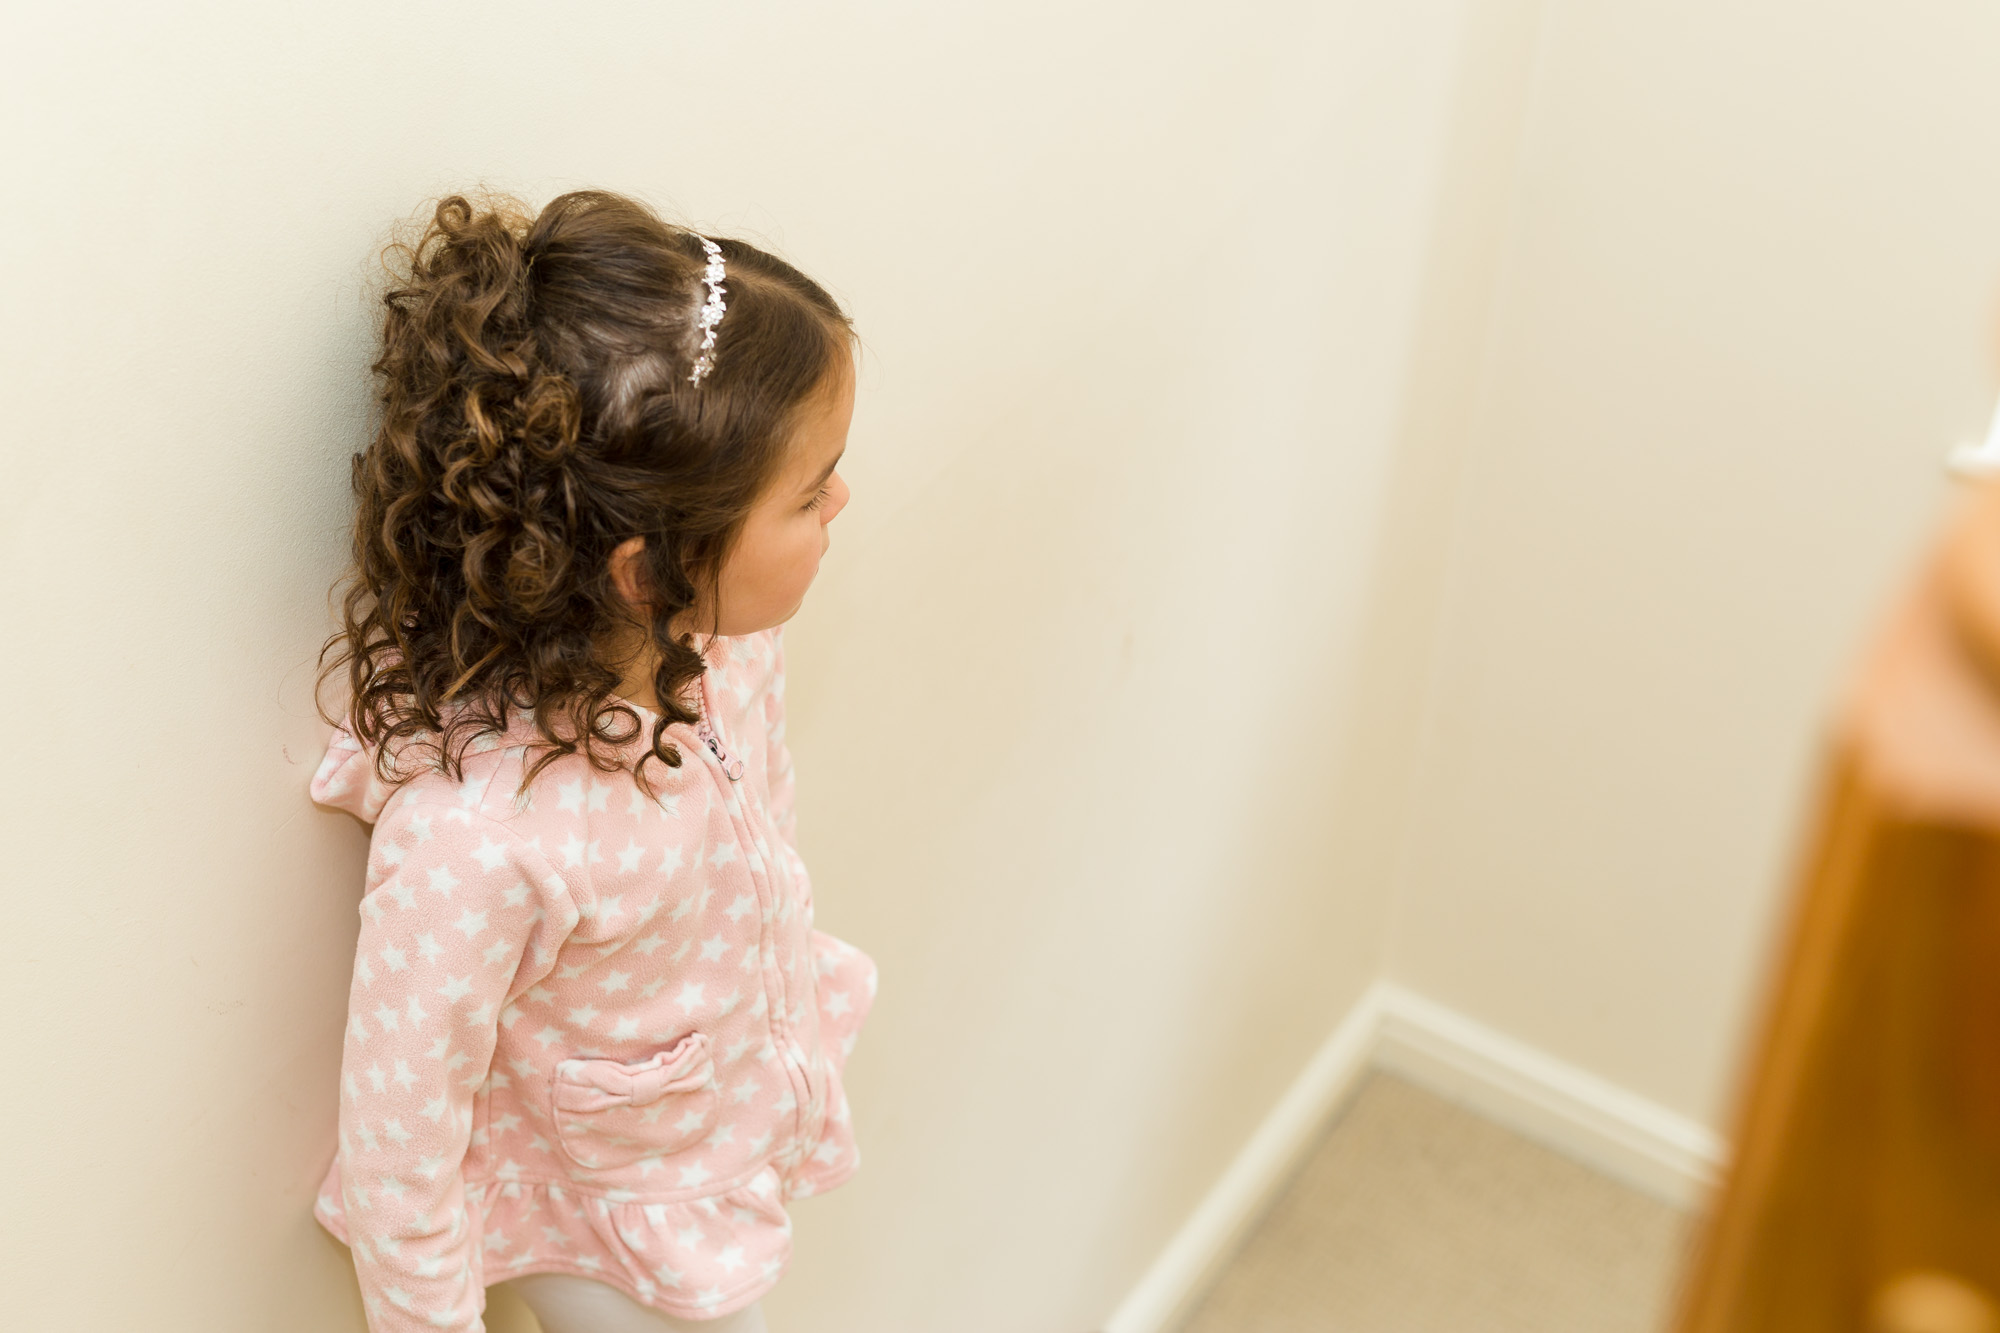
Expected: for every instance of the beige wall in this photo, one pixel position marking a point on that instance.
(1137, 287)
(1732, 305)
(1363, 488)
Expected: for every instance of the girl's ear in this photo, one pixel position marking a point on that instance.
(628, 573)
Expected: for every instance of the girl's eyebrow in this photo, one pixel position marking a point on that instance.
(820, 480)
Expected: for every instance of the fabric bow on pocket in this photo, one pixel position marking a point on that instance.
(611, 1114)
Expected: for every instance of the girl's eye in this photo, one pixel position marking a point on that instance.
(817, 500)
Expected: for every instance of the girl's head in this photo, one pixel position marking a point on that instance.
(550, 500)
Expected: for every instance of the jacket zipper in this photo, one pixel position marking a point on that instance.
(789, 1051)
(731, 768)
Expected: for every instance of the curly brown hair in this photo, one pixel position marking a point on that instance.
(535, 412)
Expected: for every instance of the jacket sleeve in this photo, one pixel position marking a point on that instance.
(783, 790)
(778, 759)
(459, 917)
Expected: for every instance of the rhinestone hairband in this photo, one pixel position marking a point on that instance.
(711, 310)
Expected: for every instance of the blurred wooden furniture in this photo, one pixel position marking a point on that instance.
(1865, 1194)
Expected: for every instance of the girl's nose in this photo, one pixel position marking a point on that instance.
(836, 498)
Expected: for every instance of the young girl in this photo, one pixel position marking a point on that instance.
(593, 1042)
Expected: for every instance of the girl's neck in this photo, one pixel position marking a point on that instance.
(642, 664)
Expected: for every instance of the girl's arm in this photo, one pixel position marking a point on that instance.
(846, 977)
(460, 916)
(778, 759)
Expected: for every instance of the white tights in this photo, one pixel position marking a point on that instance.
(566, 1304)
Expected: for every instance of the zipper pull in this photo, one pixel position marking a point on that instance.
(732, 768)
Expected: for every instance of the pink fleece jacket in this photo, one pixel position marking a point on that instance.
(591, 1030)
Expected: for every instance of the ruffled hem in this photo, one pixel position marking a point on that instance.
(697, 1259)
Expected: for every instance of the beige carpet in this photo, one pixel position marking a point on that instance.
(1416, 1216)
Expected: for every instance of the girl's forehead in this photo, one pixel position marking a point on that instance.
(820, 434)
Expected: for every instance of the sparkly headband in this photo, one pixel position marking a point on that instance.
(711, 310)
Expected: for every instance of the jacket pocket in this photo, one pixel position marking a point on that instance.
(609, 1114)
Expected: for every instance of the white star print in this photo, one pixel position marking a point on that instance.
(566, 937)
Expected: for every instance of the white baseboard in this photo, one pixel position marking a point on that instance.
(1221, 1222)
(1580, 1115)
(1509, 1082)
